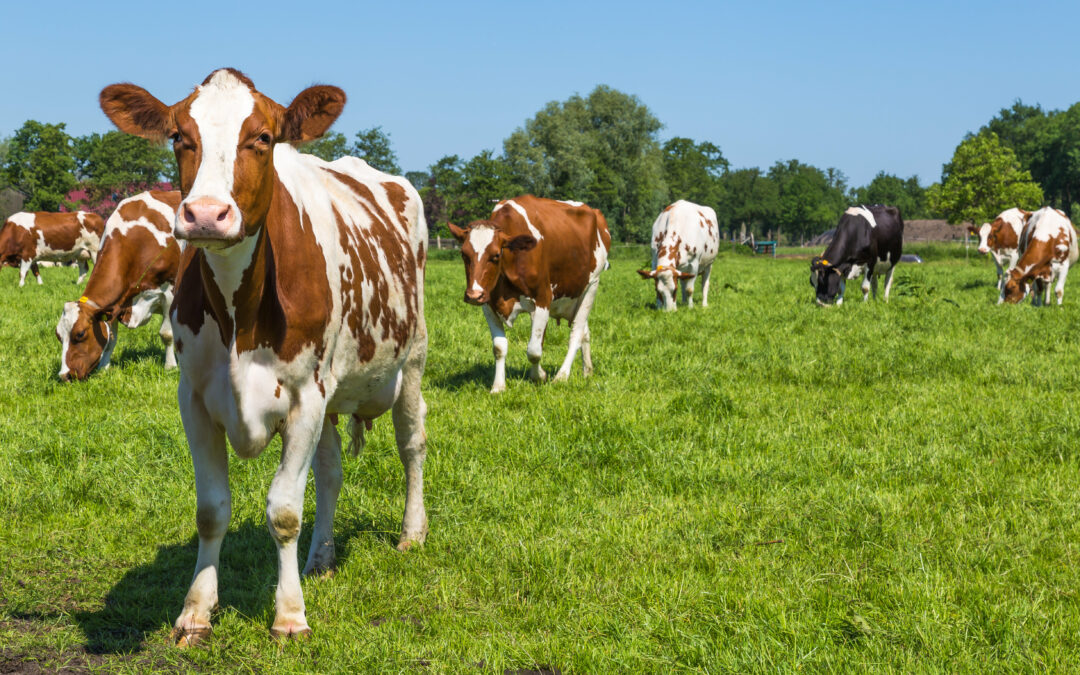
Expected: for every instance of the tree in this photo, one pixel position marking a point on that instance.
(442, 185)
(905, 194)
(600, 149)
(485, 179)
(693, 171)
(373, 146)
(810, 200)
(750, 198)
(982, 179)
(41, 165)
(330, 146)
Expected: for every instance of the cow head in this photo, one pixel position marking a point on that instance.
(84, 334)
(826, 279)
(223, 135)
(487, 253)
(1016, 287)
(665, 277)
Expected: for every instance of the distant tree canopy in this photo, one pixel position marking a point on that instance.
(694, 171)
(904, 193)
(373, 146)
(983, 179)
(40, 164)
(810, 200)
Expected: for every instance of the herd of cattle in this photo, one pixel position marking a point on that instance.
(292, 292)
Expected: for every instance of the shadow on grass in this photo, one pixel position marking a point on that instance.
(155, 352)
(480, 375)
(149, 597)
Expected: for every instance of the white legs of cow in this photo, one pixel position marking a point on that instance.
(28, 266)
(578, 330)
(409, 413)
(326, 465)
(84, 267)
(705, 274)
(535, 350)
(498, 347)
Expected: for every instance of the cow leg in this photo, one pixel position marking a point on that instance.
(536, 343)
(166, 333)
(1059, 290)
(213, 508)
(577, 330)
(83, 269)
(866, 286)
(285, 509)
(498, 347)
(840, 297)
(110, 345)
(705, 274)
(687, 291)
(409, 413)
(888, 282)
(24, 267)
(36, 271)
(586, 351)
(327, 468)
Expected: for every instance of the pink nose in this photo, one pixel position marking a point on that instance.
(474, 297)
(983, 249)
(207, 218)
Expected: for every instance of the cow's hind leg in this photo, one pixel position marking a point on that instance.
(705, 274)
(866, 286)
(213, 508)
(409, 413)
(586, 351)
(83, 269)
(285, 509)
(888, 282)
(166, 335)
(1059, 290)
(498, 348)
(327, 467)
(535, 351)
(577, 330)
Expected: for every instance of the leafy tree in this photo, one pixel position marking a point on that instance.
(40, 164)
(441, 187)
(982, 179)
(5, 145)
(419, 179)
(373, 146)
(905, 194)
(330, 146)
(485, 179)
(810, 200)
(750, 198)
(693, 171)
(600, 149)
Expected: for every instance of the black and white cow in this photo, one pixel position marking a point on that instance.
(868, 243)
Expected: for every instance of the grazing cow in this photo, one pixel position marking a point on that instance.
(132, 279)
(542, 257)
(1001, 239)
(31, 237)
(1047, 250)
(868, 243)
(300, 297)
(685, 239)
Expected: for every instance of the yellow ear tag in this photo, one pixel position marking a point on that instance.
(824, 261)
(84, 299)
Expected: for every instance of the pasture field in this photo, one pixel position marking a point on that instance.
(760, 486)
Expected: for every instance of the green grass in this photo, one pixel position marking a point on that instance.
(762, 485)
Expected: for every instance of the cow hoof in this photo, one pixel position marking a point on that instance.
(189, 637)
(561, 377)
(290, 631)
(409, 541)
(498, 389)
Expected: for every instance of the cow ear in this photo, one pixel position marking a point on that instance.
(460, 233)
(135, 111)
(311, 113)
(647, 274)
(521, 243)
(682, 275)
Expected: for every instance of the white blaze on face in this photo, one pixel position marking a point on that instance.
(481, 238)
(219, 110)
(984, 237)
(864, 212)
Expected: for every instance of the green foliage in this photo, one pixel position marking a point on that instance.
(442, 182)
(41, 164)
(905, 194)
(485, 179)
(750, 198)
(5, 146)
(810, 200)
(983, 179)
(115, 159)
(602, 150)
(373, 146)
(330, 146)
(694, 171)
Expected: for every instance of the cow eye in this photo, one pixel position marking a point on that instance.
(495, 258)
(175, 137)
(265, 137)
(79, 336)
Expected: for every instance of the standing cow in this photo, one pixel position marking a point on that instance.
(1001, 239)
(132, 279)
(868, 243)
(31, 237)
(300, 297)
(542, 257)
(685, 240)
(1047, 251)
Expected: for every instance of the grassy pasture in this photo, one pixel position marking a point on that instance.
(762, 485)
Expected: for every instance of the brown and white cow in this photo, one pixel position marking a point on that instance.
(685, 240)
(1047, 251)
(132, 279)
(542, 257)
(31, 237)
(300, 297)
(1001, 239)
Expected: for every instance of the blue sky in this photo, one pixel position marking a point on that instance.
(860, 86)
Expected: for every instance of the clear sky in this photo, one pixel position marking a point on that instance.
(860, 86)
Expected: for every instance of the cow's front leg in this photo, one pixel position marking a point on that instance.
(888, 282)
(1059, 290)
(577, 330)
(327, 467)
(213, 507)
(866, 286)
(687, 286)
(498, 348)
(24, 267)
(110, 345)
(536, 343)
(166, 333)
(83, 269)
(840, 297)
(285, 509)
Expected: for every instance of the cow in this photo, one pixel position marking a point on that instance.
(1001, 239)
(132, 279)
(300, 298)
(31, 237)
(542, 257)
(685, 240)
(868, 243)
(1047, 251)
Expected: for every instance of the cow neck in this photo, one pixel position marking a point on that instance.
(225, 275)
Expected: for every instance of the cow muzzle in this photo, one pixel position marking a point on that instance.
(206, 221)
(984, 250)
(475, 297)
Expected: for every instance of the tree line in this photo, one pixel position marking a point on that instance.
(605, 149)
